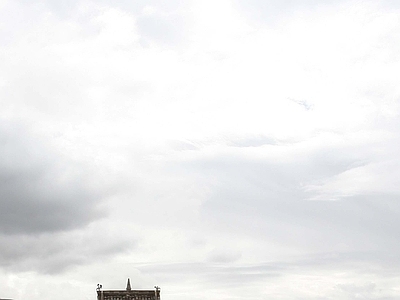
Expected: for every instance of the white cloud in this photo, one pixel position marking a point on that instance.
(203, 130)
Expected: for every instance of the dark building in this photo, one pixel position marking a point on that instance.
(128, 293)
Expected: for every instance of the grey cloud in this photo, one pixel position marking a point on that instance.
(183, 145)
(41, 191)
(224, 256)
(165, 29)
(50, 216)
(269, 203)
(69, 8)
(261, 278)
(253, 141)
(214, 274)
(53, 253)
(167, 25)
(271, 11)
(63, 9)
(265, 199)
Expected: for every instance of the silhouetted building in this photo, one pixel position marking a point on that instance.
(128, 293)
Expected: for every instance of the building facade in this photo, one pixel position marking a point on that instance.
(128, 293)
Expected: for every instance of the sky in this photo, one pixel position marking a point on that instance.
(221, 149)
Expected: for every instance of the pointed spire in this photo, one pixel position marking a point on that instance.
(128, 285)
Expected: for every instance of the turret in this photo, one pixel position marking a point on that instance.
(128, 285)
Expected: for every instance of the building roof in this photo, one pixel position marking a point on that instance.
(128, 293)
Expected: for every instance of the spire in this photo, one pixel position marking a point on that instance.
(128, 285)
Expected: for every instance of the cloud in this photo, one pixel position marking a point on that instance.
(40, 190)
(164, 26)
(52, 208)
(223, 256)
(264, 193)
(320, 273)
(220, 147)
(55, 253)
(273, 11)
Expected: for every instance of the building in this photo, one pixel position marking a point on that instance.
(128, 293)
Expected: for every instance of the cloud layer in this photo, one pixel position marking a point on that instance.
(217, 149)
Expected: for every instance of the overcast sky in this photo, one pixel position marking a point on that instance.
(221, 149)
